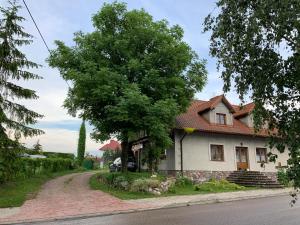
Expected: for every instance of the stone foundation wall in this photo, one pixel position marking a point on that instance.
(200, 176)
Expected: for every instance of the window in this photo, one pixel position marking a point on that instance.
(221, 118)
(261, 155)
(217, 152)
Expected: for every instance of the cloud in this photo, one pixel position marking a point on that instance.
(61, 140)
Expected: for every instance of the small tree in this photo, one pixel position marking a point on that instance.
(37, 147)
(81, 143)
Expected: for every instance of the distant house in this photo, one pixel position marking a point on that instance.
(112, 145)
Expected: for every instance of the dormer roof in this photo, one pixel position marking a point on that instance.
(193, 119)
(244, 110)
(213, 102)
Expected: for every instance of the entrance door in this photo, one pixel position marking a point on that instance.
(242, 158)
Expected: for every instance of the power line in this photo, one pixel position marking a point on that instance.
(36, 26)
(40, 32)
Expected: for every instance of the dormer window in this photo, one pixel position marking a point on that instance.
(221, 118)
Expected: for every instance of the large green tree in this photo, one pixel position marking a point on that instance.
(81, 143)
(130, 74)
(257, 44)
(14, 66)
(15, 118)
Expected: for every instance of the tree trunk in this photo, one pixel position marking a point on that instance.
(124, 155)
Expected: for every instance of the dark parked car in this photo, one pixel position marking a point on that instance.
(116, 165)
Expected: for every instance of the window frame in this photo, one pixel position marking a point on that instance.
(218, 118)
(265, 150)
(223, 153)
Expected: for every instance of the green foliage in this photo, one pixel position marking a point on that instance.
(110, 155)
(37, 147)
(8, 162)
(81, 143)
(130, 74)
(183, 181)
(14, 65)
(27, 167)
(58, 155)
(282, 177)
(143, 185)
(217, 186)
(257, 46)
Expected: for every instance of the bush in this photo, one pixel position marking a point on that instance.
(27, 167)
(143, 185)
(283, 177)
(59, 155)
(183, 181)
(136, 182)
(217, 186)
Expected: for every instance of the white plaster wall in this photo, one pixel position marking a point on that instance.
(196, 152)
(169, 162)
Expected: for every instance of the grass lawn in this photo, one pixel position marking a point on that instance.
(15, 193)
(187, 189)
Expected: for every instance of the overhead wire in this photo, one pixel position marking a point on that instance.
(40, 33)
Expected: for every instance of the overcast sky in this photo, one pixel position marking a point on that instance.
(59, 19)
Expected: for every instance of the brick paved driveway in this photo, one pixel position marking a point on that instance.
(69, 196)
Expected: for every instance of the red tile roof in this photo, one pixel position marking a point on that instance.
(244, 110)
(192, 118)
(213, 102)
(112, 145)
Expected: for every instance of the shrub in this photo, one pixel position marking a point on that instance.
(183, 181)
(283, 177)
(217, 186)
(121, 182)
(143, 185)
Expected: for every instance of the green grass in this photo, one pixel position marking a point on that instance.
(185, 189)
(15, 193)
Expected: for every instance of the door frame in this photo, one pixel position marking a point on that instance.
(248, 161)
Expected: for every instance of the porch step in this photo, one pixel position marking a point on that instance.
(252, 179)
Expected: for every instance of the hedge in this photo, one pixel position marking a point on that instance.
(51, 154)
(27, 167)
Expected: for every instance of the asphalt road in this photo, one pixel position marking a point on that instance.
(264, 211)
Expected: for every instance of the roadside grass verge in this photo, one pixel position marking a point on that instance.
(15, 193)
(181, 188)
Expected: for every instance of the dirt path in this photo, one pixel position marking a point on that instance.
(68, 196)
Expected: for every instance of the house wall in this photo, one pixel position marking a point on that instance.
(169, 163)
(196, 152)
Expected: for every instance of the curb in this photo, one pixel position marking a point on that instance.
(170, 206)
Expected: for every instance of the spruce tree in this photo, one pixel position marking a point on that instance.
(81, 143)
(15, 119)
(37, 147)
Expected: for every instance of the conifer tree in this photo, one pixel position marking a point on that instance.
(81, 143)
(15, 119)
(37, 147)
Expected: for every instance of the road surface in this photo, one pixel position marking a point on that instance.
(264, 211)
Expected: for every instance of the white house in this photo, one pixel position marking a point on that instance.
(223, 141)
